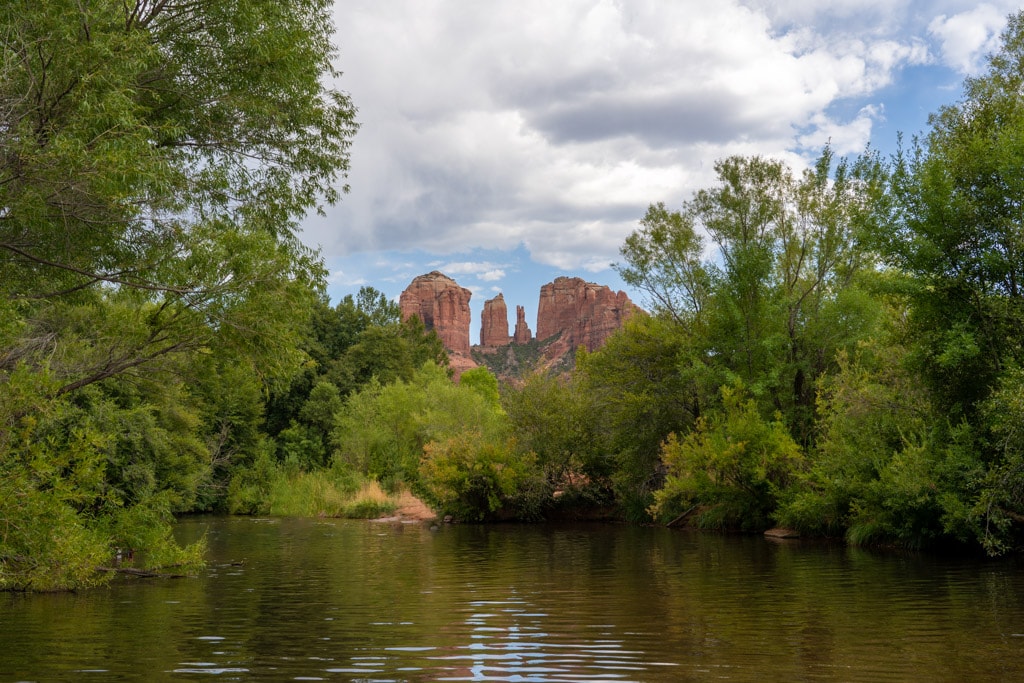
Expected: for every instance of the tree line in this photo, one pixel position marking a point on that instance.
(851, 354)
(836, 350)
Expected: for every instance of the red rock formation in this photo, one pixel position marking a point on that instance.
(580, 313)
(443, 306)
(494, 323)
(571, 313)
(459, 364)
(523, 334)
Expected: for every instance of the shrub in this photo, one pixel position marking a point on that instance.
(474, 479)
(732, 466)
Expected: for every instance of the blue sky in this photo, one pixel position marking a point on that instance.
(508, 142)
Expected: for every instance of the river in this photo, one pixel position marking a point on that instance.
(342, 600)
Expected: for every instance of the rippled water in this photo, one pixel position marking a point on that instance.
(360, 601)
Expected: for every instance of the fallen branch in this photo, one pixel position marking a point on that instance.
(681, 517)
(142, 573)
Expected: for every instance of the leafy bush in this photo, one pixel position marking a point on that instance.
(381, 431)
(474, 478)
(731, 467)
(250, 486)
(887, 468)
(83, 477)
(46, 544)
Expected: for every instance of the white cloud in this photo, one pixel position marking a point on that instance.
(341, 279)
(845, 138)
(481, 270)
(492, 275)
(553, 125)
(968, 37)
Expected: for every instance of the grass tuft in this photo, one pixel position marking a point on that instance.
(371, 501)
(328, 493)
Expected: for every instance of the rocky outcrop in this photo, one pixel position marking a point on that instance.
(522, 334)
(443, 306)
(572, 313)
(494, 323)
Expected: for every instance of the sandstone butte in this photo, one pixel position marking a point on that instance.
(443, 306)
(571, 313)
(579, 313)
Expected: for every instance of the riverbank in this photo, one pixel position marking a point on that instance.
(410, 509)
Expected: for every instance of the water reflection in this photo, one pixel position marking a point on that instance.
(509, 641)
(355, 601)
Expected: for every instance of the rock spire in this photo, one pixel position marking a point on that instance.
(522, 334)
(494, 323)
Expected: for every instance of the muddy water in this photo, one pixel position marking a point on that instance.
(359, 601)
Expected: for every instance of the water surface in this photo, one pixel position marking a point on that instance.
(345, 600)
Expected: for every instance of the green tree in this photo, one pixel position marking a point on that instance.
(167, 148)
(956, 233)
(388, 353)
(954, 240)
(732, 467)
(887, 467)
(305, 443)
(791, 251)
(451, 443)
(642, 385)
(229, 396)
(477, 479)
(557, 421)
(482, 381)
(155, 158)
(382, 429)
(786, 287)
(999, 508)
(783, 289)
(326, 338)
(665, 259)
(85, 476)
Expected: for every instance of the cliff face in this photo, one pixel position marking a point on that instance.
(443, 306)
(580, 313)
(494, 323)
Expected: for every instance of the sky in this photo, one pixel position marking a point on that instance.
(508, 142)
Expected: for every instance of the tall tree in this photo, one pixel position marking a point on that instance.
(167, 149)
(957, 232)
(955, 240)
(779, 293)
(155, 157)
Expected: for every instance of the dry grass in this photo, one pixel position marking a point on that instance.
(370, 501)
(322, 494)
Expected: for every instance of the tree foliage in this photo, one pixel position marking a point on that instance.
(956, 232)
(886, 468)
(954, 235)
(557, 422)
(477, 479)
(782, 290)
(641, 386)
(155, 158)
(733, 466)
(162, 153)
